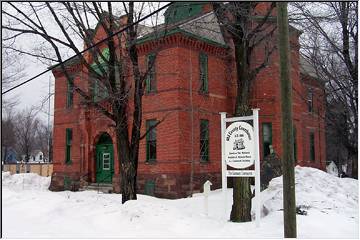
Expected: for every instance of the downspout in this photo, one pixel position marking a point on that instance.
(192, 131)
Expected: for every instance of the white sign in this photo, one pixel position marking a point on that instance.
(239, 145)
(240, 149)
(240, 173)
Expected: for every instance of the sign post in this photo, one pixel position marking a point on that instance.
(207, 190)
(240, 150)
(223, 163)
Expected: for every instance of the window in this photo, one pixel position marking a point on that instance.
(312, 147)
(69, 94)
(68, 145)
(204, 140)
(106, 161)
(101, 67)
(310, 101)
(295, 147)
(150, 79)
(100, 92)
(266, 138)
(151, 141)
(149, 187)
(203, 59)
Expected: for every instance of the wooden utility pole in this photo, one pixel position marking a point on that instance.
(286, 123)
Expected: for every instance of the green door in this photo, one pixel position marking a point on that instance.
(104, 163)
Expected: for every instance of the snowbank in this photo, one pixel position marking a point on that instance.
(316, 189)
(332, 205)
(29, 181)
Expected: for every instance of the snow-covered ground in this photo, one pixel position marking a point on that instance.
(31, 211)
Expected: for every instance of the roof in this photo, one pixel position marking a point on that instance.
(67, 63)
(200, 27)
(35, 152)
(179, 11)
(306, 68)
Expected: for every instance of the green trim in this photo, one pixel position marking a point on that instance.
(67, 183)
(68, 142)
(312, 146)
(99, 92)
(151, 76)
(150, 140)
(149, 187)
(69, 94)
(106, 54)
(179, 11)
(104, 171)
(204, 140)
(161, 34)
(203, 65)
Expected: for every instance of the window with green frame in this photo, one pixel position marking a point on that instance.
(203, 62)
(266, 138)
(149, 187)
(69, 94)
(68, 145)
(204, 140)
(151, 76)
(100, 92)
(312, 146)
(151, 140)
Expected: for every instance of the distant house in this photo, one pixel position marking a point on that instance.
(37, 156)
(10, 156)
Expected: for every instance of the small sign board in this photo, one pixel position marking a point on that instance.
(239, 145)
(240, 149)
(240, 173)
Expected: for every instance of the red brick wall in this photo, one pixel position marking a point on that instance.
(177, 65)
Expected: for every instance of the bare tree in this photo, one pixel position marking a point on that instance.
(245, 32)
(8, 139)
(330, 44)
(42, 141)
(12, 69)
(25, 130)
(117, 73)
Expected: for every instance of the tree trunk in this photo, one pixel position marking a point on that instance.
(241, 208)
(354, 167)
(127, 167)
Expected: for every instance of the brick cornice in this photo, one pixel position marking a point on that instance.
(179, 39)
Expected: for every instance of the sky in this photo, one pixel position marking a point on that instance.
(33, 93)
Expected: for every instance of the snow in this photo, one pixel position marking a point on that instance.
(31, 211)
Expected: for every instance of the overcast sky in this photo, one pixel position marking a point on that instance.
(34, 92)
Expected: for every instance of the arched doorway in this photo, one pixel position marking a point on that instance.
(104, 159)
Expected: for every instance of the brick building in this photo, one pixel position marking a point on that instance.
(192, 81)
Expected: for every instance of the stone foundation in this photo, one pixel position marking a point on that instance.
(64, 181)
(174, 186)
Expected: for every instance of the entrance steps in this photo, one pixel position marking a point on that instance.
(100, 187)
